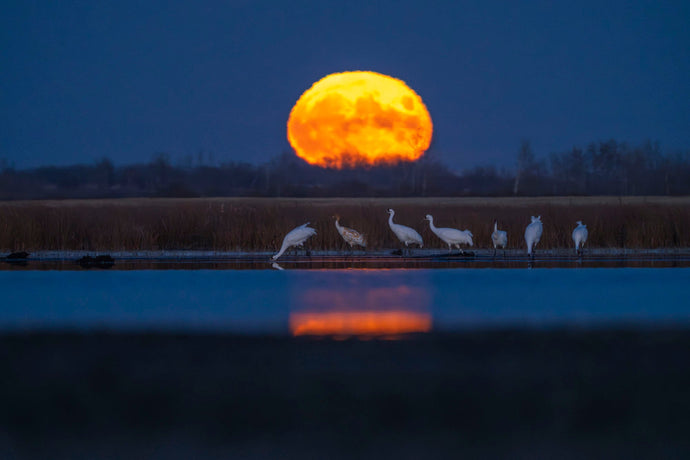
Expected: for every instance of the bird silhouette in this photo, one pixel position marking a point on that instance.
(295, 237)
(451, 236)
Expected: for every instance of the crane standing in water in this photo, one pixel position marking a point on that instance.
(295, 237)
(499, 238)
(451, 236)
(533, 235)
(405, 234)
(351, 236)
(580, 235)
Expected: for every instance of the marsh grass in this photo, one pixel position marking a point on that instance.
(254, 224)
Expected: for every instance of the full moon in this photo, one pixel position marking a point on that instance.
(359, 118)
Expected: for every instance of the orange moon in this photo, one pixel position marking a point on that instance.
(359, 118)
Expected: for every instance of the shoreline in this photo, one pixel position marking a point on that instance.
(431, 253)
(336, 260)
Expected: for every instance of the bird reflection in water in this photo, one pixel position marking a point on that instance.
(345, 311)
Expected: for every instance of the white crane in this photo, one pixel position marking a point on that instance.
(533, 234)
(350, 235)
(405, 234)
(499, 238)
(296, 237)
(451, 236)
(580, 236)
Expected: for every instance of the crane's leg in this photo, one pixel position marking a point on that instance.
(307, 252)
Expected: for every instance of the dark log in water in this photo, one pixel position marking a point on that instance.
(101, 261)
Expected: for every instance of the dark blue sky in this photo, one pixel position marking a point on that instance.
(124, 80)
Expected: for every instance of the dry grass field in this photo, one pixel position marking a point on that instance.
(259, 224)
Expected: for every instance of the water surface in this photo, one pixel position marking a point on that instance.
(341, 302)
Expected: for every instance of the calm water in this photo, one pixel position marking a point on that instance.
(341, 302)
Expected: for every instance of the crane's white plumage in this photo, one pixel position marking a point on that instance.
(533, 234)
(499, 238)
(451, 236)
(295, 237)
(350, 235)
(580, 235)
(405, 234)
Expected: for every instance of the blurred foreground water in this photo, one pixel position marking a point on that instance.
(423, 363)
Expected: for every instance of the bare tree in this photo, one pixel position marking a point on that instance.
(525, 162)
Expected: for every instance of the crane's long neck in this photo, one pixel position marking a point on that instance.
(390, 219)
(283, 247)
(431, 224)
(495, 226)
(337, 224)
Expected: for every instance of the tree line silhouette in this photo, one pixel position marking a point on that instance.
(603, 168)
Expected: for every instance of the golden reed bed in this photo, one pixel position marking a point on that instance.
(259, 224)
